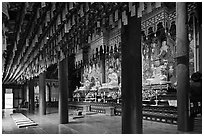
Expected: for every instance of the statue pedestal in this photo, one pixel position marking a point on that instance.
(87, 108)
(109, 111)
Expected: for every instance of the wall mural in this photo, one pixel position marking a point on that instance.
(114, 61)
(158, 61)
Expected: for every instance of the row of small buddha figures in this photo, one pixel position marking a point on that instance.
(94, 89)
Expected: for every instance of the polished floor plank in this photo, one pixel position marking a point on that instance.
(90, 124)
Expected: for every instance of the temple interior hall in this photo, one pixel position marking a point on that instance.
(101, 68)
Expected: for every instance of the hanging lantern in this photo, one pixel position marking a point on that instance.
(70, 5)
(27, 42)
(56, 25)
(38, 13)
(140, 9)
(64, 13)
(130, 6)
(87, 6)
(111, 19)
(133, 10)
(40, 29)
(73, 20)
(116, 15)
(124, 18)
(36, 38)
(81, 10)
(87, 19)
(43, 4)
(59, 20)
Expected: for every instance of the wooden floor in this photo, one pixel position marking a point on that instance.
(89, 124)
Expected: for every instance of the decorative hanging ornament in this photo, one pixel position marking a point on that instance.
(124, 18)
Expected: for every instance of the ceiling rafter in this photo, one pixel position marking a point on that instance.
(13, 58)
(20, 70)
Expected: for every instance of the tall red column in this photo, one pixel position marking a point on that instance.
(131, 77)
(42, 94)
(182, 70)
(63, 90)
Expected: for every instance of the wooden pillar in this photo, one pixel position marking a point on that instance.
(131, 77)
(14, 97)
(31, 96)
(102, 63)
(22, 93)
(63, 90)
(182, 69)
(3, 97)
(195, 44)
(50, 93)
(199, 25)
(42, 94)
(27, 92)
(200, 48)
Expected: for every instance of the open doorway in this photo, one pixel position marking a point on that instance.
(9, 99)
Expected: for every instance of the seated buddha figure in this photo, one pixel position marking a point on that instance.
(158, 73)
(86, 83)
(112, 77)
(97, 83)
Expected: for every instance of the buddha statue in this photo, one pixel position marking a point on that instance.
(112, 77)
